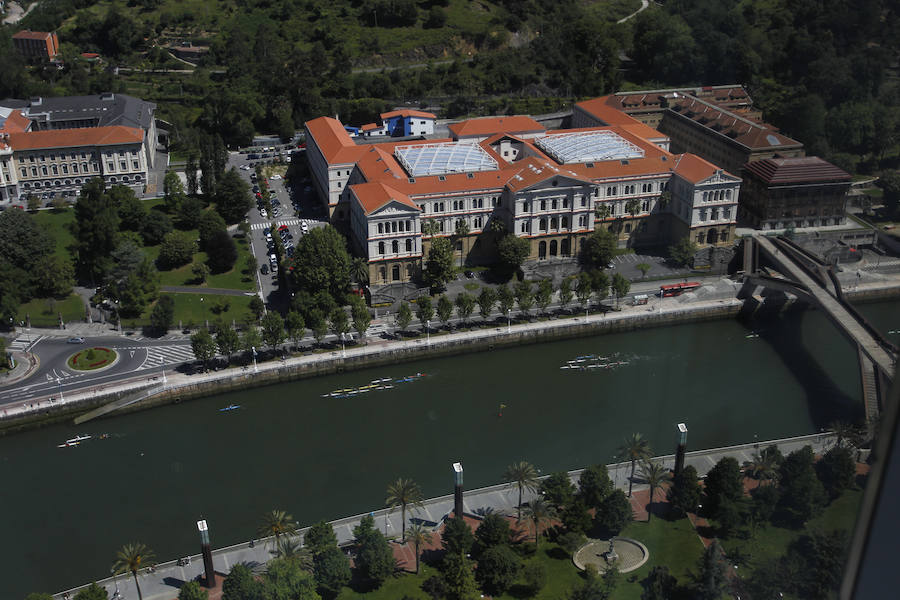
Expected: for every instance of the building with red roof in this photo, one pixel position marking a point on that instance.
(36, 44)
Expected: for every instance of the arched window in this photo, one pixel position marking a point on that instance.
(728, 194)
(553, 247)
(125, 178)
(553, 204)
(705, 196)
(525, 206)
(383, 273)
(408, 245)
(543, 205)
(701, 237)
(724, 237)
(112, 179)
(395, 247)
(409, 271)
(627, 227)
(565, 223)
(381, 228)
(565, 247)
(394, 226)
(395, 273)
(712, 237)
(554, 223)
(137, 177)
(542, 225)
(542, 250)
(380, 247)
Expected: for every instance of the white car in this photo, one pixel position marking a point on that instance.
(245, 167)
(276, 176)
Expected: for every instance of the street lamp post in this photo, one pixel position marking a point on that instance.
(508, 322)
(59, 384)
(428, 332)
(343, 347)
(255, 368)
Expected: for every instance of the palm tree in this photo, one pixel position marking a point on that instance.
(359, 270)
(635, 448)
(539, 511)
(291, 549)
(403, 493)
(761, 466)
(277, 523)
(845, 432)
(131, 558)
(655, 475)
(524, 475)
(418, 537)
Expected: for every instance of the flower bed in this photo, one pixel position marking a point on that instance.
(90, 359)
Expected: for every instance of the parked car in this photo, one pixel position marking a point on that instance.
(264, 269)
(75, 340)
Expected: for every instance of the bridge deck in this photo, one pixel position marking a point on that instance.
(842, 317)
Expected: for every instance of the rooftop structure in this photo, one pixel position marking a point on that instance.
(588, 146)
(441, 159)
(76, 138)
(784, 171)
(36, 44)
(483, 128)
(101, 110)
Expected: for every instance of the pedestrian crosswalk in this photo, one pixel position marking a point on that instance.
(24, 342)
(161, 355)
(288, 222)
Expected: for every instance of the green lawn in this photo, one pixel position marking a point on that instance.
(43, 311)
(197, 308)
(55, 225)
(235, 279)
(404, 585)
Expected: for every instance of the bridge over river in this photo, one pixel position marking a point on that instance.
(805, 276)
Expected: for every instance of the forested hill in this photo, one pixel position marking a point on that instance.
(823, 70)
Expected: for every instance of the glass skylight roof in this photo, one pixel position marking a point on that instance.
(588, 146)
(439, 159)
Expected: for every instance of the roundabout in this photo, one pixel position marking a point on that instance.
(92, 359)
(623, 553)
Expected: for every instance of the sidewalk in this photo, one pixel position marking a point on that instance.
(26, 364)
(163, 583)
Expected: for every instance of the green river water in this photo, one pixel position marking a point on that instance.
(67, 511)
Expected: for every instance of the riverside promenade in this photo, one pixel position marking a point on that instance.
(164, 581)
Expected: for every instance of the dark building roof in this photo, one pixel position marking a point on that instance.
(783, 171)
(104, 109)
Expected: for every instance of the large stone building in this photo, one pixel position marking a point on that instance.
(36, 44)
(718, 123)
(793, 193)
(58, 144)
(553, 188)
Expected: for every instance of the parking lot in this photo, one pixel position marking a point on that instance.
(626, 264)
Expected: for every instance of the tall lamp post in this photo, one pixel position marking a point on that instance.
(680, 450)
(428, 332)
(457, 490)
(343, 348)
(253, 350)
(508, 322)
(59, 385)
(203, 528)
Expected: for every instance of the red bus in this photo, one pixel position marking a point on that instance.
(676, 289)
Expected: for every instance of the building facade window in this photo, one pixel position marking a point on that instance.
(380, 247)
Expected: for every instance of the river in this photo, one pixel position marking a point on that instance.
(67, 511)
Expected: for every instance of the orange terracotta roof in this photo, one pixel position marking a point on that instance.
(333, 141)
(31, 35)
(407, 113)
(15, 122)
(372, 196)
(492, 125)
(370, 127)
(73, 138)
(695, 169)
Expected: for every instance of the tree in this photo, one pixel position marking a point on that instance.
(54, 276)
(359, 270)
(524, 475)
(598, 249)
(241, 584)
(251, 264)
(374, 559)
(659, 584)
(457, 538)
(620, 286)
(557, 489)
(802, 494)
(21, 240)
(544, 294)
(163, 314)
(535, 577)
(424, 310)
(655, 475)
(256, 307)
(209, 223)
(684, 495)
(251, 339)
(418, 537)
(539, 513)
(33, 203)
(635, 448)
(683, 251)
(505, 299)
(273, 329)
(232, 197)
(319, 326)
(227, 341)
(189, 591)
(437, 18)
(837, 470)
(575, 517)
(173, 192)
(763, 502)
(444, 310)
(459, 577)
(132, 212)
(178, 248)
(295, 326)
(340, 324)
(524, 296)
(462, 230)
(189, 213)
(486, 300)
(222, 252)
(439, 264)
(190, 174)
(713, 573)
(131, 558)
(724, 480)
(465, 304)
(643, 268)
(594, 485)
(565, 292)
(404, 316)
(289, 548)
(583, 288)
(276, 523)
(403, 492)
(95, 592)
(820, 558)
(846, 433)
(203, 346)
(200, 272)
(321, 262)
(761, 466)
(95, 228)
(155, 228)
(492, 531)
(286, 579)
(498, 568)
(599, 284)
(614, 513)
(512, 251)
(331, 568)
(361, 318)
(320, 537)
